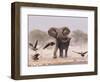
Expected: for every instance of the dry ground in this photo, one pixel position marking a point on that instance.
(46, 57)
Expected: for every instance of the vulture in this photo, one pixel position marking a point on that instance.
(36, 56)
(35, 46)
(49, 44)
(81, 53)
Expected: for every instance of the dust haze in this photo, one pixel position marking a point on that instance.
(78, 43)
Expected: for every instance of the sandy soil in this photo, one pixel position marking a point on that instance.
(46, 57)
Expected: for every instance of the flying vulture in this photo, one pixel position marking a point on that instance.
(35, 46)
(81, 53)
(49, 44)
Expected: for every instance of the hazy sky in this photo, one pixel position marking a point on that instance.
(45, 22)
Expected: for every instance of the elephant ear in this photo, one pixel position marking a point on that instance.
(65, 31)
(52, 32)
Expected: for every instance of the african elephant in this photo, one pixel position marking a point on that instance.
(62, 39)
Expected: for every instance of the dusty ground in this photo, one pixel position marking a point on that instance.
(46, 57)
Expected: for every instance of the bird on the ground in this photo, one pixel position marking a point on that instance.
(49, 44)
(36, 56)
(35, 46)
(81, 53)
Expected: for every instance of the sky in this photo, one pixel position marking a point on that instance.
(45, 22)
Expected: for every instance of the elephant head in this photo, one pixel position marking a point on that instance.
(60, 34)
(62, 39)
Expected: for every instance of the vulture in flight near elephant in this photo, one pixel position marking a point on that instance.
(81, 53)
(49, 44)
(35, 46)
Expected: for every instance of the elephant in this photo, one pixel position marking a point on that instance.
(62, 40)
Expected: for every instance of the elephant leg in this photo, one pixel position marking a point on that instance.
(66, 50)
(55, 55)
(61, 53)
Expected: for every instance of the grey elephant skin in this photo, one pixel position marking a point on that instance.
(62, 40)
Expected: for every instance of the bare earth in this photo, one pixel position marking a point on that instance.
(46, 57)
